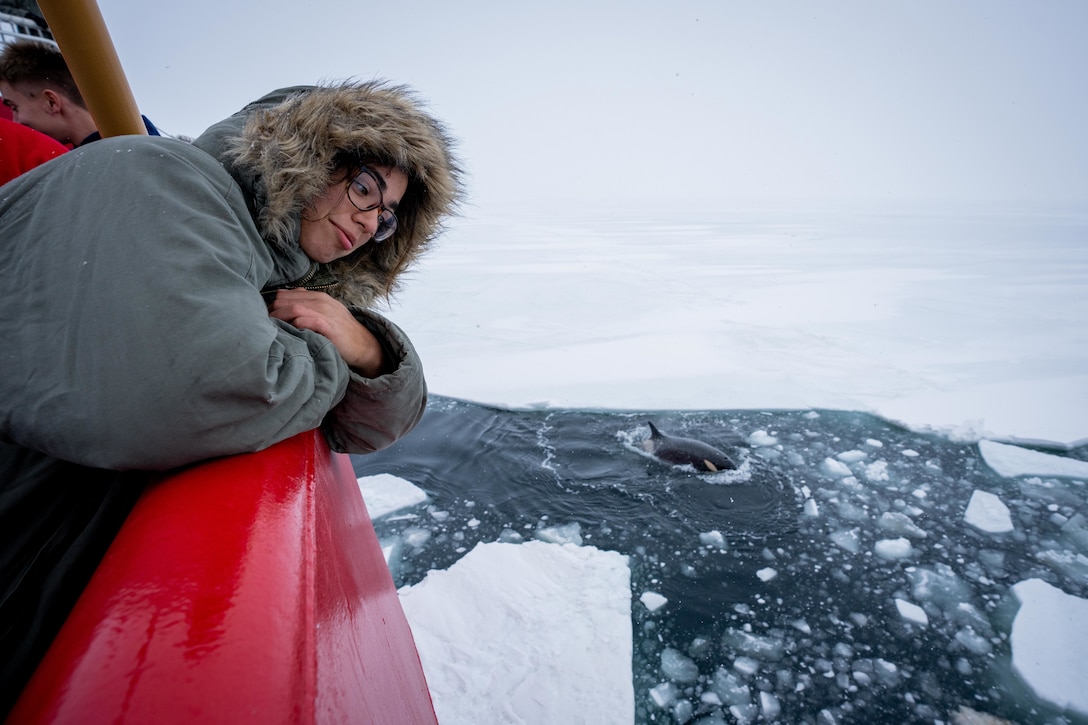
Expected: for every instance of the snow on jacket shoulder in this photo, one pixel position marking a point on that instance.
(142, 340)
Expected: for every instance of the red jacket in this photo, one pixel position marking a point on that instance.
(22, 148)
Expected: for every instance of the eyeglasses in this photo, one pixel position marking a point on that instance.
(365, 194)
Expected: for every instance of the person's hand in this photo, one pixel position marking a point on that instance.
(317, 311)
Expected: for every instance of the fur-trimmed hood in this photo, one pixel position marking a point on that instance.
(283, 150)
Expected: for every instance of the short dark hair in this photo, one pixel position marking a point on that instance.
(38, 64)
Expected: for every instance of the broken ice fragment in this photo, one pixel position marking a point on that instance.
(652, 601)
(986, 512)
(893, 549)
(911, 612)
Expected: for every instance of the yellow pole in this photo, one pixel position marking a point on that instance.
(85, 43)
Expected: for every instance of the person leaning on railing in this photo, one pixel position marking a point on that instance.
(167, 303)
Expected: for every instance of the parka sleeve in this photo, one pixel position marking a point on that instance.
(141, 339)
(376, 412)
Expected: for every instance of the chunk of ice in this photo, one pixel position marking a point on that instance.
(1050, 643)
(566, 534)
(833, 468)
(852, 456)
(764, 647)
(652, 601)
(385, 493)
(770, 705)
(746, 665)
(729, 688)
(893, 549)
(712, 538)
(664, 694)
(761, 438)
(847, 539)
(939, 585)
(986, 512)
(901, 524)
(974, 641)
(416, 537)
(678, 667)
(1009, 461)
(911, 612)
(766, 574)
(877, 472)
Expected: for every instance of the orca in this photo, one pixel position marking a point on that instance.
(686, 451)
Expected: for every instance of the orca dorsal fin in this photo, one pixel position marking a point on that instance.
(654, 432)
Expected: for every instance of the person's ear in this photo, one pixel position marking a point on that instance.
(53, 100)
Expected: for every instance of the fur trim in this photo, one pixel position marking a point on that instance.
(290, 150)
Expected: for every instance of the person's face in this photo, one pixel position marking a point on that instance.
(333, 227)
(35, 110)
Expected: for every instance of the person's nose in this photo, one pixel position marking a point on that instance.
(368, 220)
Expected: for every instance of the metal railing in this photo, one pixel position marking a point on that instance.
(15, 27)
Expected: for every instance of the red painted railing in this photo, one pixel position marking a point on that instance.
(250, 589)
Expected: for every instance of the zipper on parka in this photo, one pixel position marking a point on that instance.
(317, 279)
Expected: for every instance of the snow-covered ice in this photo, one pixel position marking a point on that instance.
(986, 512)
(1010, 461)
(385, 494)
(526, 633)
(963, 322)
(1050, 643)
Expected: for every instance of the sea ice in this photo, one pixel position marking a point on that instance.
(893, 549)
(763, 647)
(986, 512)
(730, 688)
(1050, 643)
(766, 574)
(974, 641)
(508, 622)
(911, 612)
(761, 438)
(852, 456)
(678, 667)
(713, 539)
(746, 665)
(940, 586)
(877, 471)
(833, 468)
(770, 706)
(1009, 461)
(901, 524)
(566, 534)
(416, 536)
(848, 539)
(385, 493)
(664, 694)
(652, 601)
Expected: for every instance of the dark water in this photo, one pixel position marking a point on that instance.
(820, 642)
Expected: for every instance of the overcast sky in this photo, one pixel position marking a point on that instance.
(714, 100)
